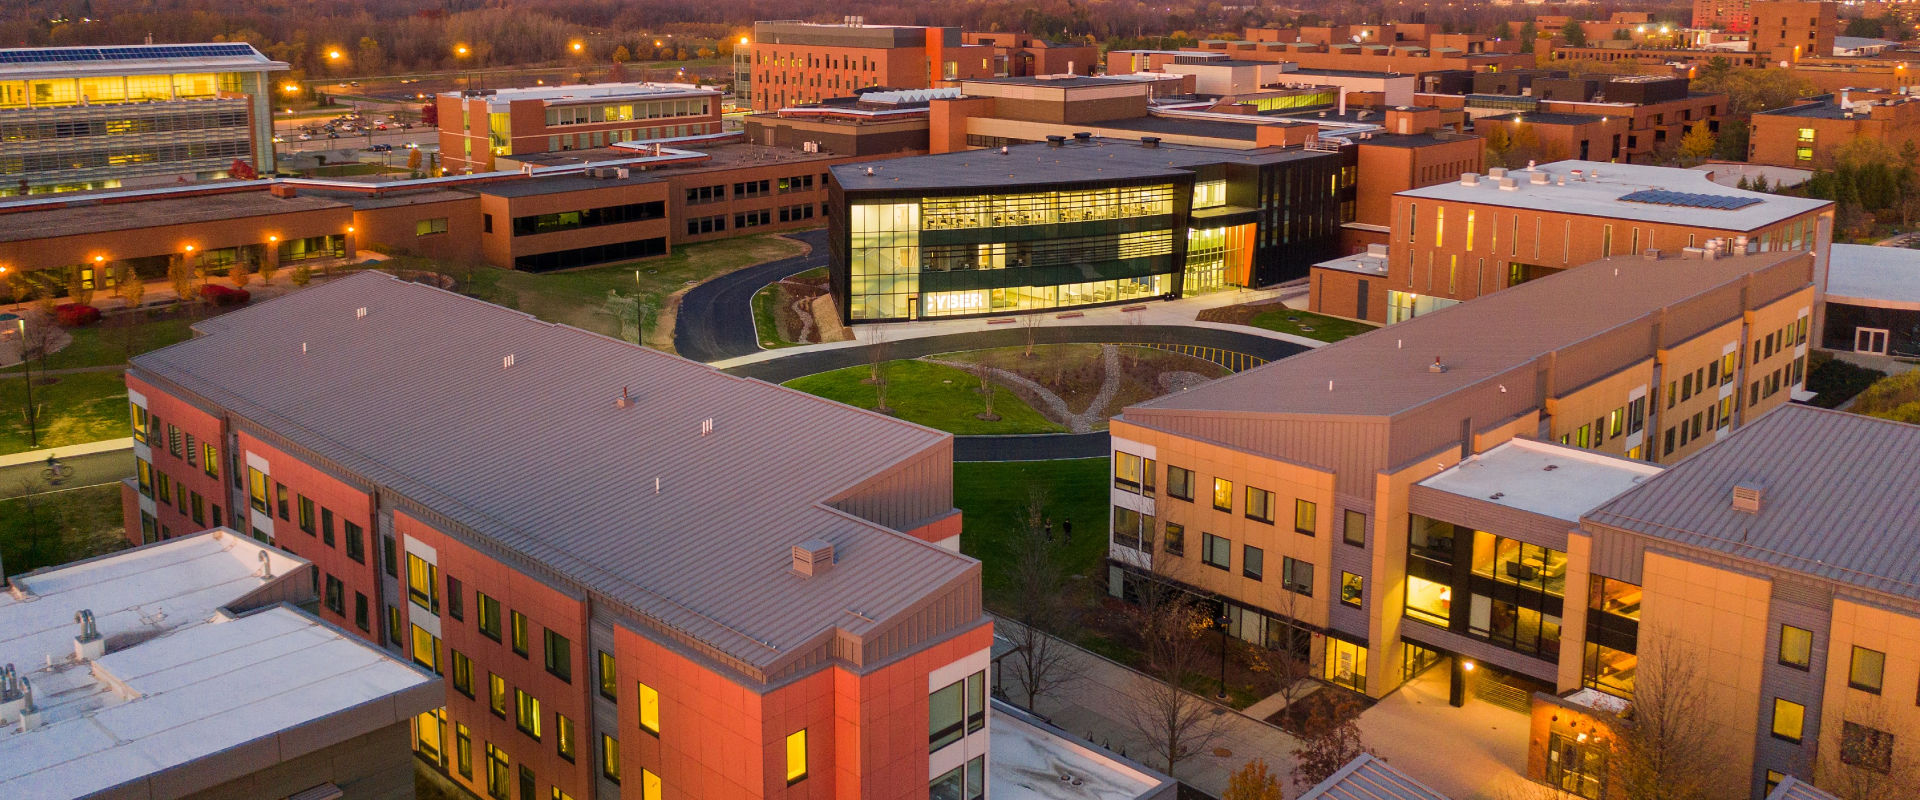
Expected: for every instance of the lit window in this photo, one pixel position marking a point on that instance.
(1789, 719)
(610, 758)
(426, 649)
(489, 620)
(1305, 516)
(257, 490)
(526, 715)
(1867, 670)
(1223, 494)
(1352, 588)
(1260, 505)
(649, 709)
(797, 756)
(423, 584)
(1796, 647)
(609, 680)
(519, 621)
(649, 785)
(497, 694)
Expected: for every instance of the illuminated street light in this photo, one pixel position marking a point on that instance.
(333, 55)
(460, 50)
(291, 88)
(743, 40)
(577, 47)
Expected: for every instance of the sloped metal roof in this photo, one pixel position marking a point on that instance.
(692, 532)
(1369, 778)
(1840, 498)
(1793, 788)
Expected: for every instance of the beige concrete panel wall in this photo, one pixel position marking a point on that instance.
(1573, 614)
(1710, 625)
(1893, 709)
(1388, 581)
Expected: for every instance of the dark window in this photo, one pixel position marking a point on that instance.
(588, 218)
(1215, 551)
(753, 219)
(489, 621)
(559, 654)
(391, 553)
(1176, 539)
(1253, 561)
(456, 599)
(336, 596)
(703, 225)
(1866, 748)
(360, 612)
(326, 526)
(1296, 576)
(306, 515)
(486, 223)
(596, 254)
(356, 542)
(280, 497)
(1180, 483)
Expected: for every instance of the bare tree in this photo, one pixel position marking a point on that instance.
(1030, 325)
(1044, 607)
(1667, 744)
(1329, 738)
(877, 369)
(1287, 671)
(1871, 762)
(1175, 628)
(984, 373)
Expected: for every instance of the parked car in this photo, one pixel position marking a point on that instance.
(333, 135)
(306, 137)
(379, 127)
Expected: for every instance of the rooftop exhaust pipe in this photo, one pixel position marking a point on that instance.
(1436, 367)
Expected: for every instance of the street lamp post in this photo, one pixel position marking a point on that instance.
(26, 364)
(1221, 623)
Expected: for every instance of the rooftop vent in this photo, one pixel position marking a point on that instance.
(869, 170)
(506, 361)
(625, 399)
(1509, 185)
(360, 313)
(812, 557)
(1053, 140)
(1149, 141)
(1747, 496)
(1436, 367)
(1539, 178)
(1469, 179)
(1497, 172)
(1081, 136)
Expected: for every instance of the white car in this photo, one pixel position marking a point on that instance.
(306, 137)
(413, 145)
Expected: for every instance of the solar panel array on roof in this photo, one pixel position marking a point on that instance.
(54, 55)
(1662, 197)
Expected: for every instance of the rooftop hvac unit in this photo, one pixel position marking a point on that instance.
(809, 147)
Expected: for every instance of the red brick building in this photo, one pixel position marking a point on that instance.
(475, 127)
(1017, 55)
(793, 63)
(552, 521)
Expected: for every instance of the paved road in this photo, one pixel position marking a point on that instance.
(88, 470)
(1041, 447)
(716, 318)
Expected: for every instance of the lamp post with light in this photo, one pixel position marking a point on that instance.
(26, 364)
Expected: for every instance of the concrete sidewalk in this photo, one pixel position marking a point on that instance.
(1180, 312)
(1476, 752)
(1089, 707)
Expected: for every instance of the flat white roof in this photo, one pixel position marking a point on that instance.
(141, 59)
(181, 680)
(1544, 478)
(1028, 761)
(595, 92)
(1862, 274)
(1362, 263)
(1600, 185)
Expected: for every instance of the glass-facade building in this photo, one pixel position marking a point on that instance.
(74, 118)
(1090, 222)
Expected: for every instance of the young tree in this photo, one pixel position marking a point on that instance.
(267, 268)
(1528, 33)
(1044, 607)
(1329, 738)
(1175, 631)
(180, 276)
(877, 370)
(622, 55)
(301, 275)
(984, 373)
(1252, 781)
(240, 273)
(1029, 325)
(1697, 145)
(1667, 746)
(77, 289)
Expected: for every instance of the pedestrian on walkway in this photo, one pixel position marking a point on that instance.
(1046, 529)
(1066, 530)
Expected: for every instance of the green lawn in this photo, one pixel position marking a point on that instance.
(766, 323)
(994, 497)
(932, 395)
(578, 297)
(80, 407)
(112, 342)
(1298, 323)
(56, 528)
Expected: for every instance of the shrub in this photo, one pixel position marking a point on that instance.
(222, 296)
(74, 315)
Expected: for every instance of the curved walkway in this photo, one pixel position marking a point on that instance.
(715, 320)
(1038, 447)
